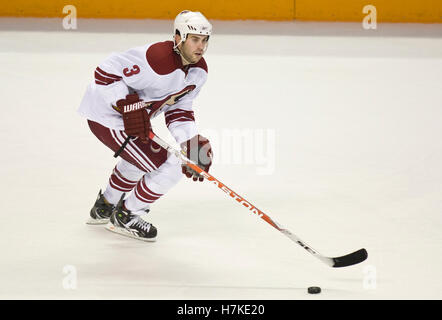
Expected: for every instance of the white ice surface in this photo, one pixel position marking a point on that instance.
(357, 118)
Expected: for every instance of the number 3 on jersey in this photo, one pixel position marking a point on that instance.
(135, 69)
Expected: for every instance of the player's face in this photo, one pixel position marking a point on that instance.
(194, 47)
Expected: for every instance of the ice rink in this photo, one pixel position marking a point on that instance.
(332, 130)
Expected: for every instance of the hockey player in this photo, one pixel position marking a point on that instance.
(131, 88)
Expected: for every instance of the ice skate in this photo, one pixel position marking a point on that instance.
(126, 223)
(101, 211)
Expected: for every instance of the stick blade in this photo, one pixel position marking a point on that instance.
(350, 259)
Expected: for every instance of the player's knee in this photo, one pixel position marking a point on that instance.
(175, 173)
(168, 175)
(129, 171)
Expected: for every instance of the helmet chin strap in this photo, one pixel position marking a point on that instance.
(175, 47)
(177, 50)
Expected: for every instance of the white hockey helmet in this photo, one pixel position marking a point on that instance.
(191, 22)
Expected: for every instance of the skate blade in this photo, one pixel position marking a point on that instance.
(93, 221)
(127, 233)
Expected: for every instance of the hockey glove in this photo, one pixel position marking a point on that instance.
(135, 117)
(198, 150)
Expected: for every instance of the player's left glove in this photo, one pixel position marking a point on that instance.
(199, 150)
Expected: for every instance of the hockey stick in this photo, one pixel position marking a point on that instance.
(337, 262)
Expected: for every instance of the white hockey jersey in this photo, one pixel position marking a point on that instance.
(154, 71)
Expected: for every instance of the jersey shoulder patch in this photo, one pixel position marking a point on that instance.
(161, 57)
(164, 60)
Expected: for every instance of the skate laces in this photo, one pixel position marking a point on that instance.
(139, 222)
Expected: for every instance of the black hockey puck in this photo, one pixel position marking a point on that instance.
(314, 290)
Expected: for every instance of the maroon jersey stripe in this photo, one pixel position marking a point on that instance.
(99, 77)
(108, 75)
(178, 115)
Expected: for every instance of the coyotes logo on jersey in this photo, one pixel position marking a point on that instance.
(155, 107)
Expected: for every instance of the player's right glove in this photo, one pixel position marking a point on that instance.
(199, 150)
(135, 117)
